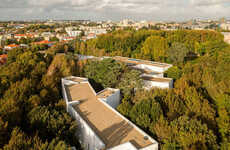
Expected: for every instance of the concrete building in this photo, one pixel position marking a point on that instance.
(225, 26)
(11, 46)
(163, 83)
(152, 72)
(226, 37)
(100, 126)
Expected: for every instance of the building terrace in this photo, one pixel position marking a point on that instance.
(111, 127)
(139, 61)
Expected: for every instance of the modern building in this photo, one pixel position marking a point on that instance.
(44, 42)
(11, 46)
(225, 26)
(226, 37)
(152, 72)
(100, 126)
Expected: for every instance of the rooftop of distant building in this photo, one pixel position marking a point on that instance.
(139, 61)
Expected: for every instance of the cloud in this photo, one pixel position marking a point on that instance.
(114, 9)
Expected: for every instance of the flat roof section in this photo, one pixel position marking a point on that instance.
(145, 70)
(138, 61)
(105, 93)
(148, 78)
(77, 79)
(108, 125)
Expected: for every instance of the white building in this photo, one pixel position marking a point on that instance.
(47, 35)
(100, 126)
(163, 83)
(225, 26)
(226, 37)
(73, 32)
(152, 72)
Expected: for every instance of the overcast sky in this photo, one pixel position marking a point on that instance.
(158, 10)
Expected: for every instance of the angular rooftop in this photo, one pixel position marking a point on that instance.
(139, 61)
(112, 128)
(148, 78)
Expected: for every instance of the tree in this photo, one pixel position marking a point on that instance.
(52, 124)
(105, 73)
(1, 51)
(173, 72)
(154, 48)
(125, 107)
(23, 41)
(130, 81)
(146, 112)
(177, 53)
(3, 132)
(191, 133)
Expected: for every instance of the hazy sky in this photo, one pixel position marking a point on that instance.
(114, 9)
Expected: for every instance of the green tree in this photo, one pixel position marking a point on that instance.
(173, 72)
(130, 81)
(154, 48)
(52, 124)
(177, 53)
(106, 73)
(146, 112)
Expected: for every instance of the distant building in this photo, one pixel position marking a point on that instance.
(152, 72)
(68, 38)
(226, 37)
(91, 36)
(45, 42)
(19, 36)
(100, 126)
(11, 46)
(225, 26)
(72, 32)
(47, 35)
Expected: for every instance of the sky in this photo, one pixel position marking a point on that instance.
(152, 10)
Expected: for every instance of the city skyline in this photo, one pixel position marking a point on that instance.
(114, 10)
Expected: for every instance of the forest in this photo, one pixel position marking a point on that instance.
(32, 112)
(195, 114)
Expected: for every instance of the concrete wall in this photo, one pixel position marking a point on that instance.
(87, 137)
(153, 68)
(125, 146)
(113, 100)
(163, 85)
(154, 75)
(151, 147)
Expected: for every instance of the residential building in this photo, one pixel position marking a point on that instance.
(47, 35)
(73, 32)
(100, 126)
(68, 38)
(11, 46)
(226, 37)
(225, 26)
(45, 42)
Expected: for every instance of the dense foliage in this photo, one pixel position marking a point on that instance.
(32, 113)
(153, 44)
(195, 114)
